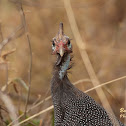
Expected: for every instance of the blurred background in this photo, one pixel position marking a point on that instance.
(102, 26)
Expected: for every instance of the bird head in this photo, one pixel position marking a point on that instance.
(61, 43)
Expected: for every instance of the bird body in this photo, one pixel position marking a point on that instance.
(72, 107)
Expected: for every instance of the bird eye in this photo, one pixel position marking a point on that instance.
(53, 44)
(68, 43)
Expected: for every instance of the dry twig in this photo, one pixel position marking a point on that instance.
(11, 108)
(80, 81)
(48, 98)
(30, 49)
(3, 57)
(37, 4)
(1, 34)
(51, 107)
(31, 117)
(1, 116)
(9, 38)
(81, 45)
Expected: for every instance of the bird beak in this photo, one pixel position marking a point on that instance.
(61, 51)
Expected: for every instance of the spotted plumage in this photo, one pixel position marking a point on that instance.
(72, 107)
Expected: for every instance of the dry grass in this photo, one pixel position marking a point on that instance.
(98, 32)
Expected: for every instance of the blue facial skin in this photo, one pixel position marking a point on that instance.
(64, 67)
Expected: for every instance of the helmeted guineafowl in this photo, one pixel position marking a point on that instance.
(72, 107)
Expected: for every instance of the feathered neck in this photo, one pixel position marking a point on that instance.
(60, 71)
(62, 65)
